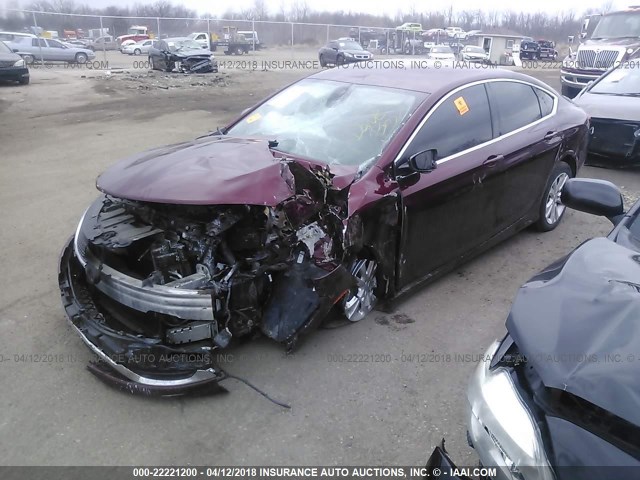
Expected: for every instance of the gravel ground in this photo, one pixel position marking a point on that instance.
(56, 136)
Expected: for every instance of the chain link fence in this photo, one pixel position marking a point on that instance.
(296, 39)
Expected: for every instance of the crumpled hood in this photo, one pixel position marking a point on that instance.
(209, 171)
(192, 52)
(578, 324)
(610, 106)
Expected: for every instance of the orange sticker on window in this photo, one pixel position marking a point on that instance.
(254, 117)
(461, 105)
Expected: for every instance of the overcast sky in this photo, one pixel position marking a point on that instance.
(374, 7)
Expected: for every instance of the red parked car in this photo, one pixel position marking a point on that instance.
(347, 187)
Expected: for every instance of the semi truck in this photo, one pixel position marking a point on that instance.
(605, 41)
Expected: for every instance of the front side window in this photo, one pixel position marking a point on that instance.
(331, 122)
(514, 105)
(461, 122)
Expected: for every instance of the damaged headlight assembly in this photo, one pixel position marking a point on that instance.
(501, 428)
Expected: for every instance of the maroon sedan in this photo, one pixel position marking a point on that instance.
(352, 185)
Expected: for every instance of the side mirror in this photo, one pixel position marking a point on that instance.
(570, 39)
(15, 50)
(423, 162)
(597, 197)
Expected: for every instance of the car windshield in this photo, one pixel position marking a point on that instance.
(184, 44)
(441, 50)
(474, 49)
(331, 122)
(4, 48)
(349, 45)
(624, 80)
(618, 25)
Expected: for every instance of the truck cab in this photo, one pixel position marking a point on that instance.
(606, 41)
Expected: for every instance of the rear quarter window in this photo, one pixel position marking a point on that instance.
(513, 105)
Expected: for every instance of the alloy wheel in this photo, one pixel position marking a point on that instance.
(360, 301)
(554, 207)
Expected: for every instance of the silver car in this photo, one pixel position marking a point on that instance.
(50, 50)
(139, 48)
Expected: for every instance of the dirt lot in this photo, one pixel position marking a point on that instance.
(56, 136)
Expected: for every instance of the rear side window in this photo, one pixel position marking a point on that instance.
(461, 122)
(546, 102)
(514, 105)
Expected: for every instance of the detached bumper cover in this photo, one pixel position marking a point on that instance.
(133, 363)
(614, 142)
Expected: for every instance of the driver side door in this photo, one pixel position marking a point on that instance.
(448, 211)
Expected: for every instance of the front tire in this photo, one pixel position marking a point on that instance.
(24, 81)
(323, 63)
(551, 208)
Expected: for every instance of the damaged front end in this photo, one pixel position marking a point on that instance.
(155, 289)
(194, 64)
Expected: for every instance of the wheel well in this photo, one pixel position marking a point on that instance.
(570, 160)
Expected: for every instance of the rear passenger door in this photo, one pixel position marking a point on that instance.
(523, 122)
(448, 211)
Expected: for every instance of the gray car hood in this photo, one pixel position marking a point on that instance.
(8, 57)
(578, 324)
(610, 106)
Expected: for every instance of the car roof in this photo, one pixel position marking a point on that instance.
(426, 80)
(19, 34)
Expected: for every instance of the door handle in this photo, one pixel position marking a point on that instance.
(550, 135)
(493, 160)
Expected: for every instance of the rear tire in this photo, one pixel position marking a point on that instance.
(81, 58)
(551, 209)
(137, 51)
(29, 59)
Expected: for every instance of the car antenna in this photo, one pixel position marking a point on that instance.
(250, 385)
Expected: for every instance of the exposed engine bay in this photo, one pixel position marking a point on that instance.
(186, 279)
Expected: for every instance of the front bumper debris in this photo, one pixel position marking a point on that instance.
(132, 363)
